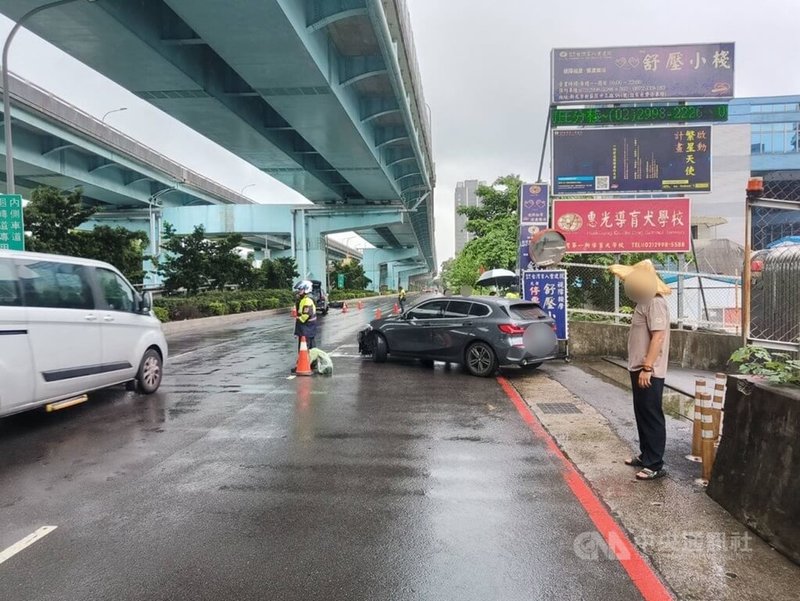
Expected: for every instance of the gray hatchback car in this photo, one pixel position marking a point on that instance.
(482, 333)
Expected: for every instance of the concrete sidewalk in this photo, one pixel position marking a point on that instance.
(700, 550)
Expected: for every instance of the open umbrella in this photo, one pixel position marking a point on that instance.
(502, 278)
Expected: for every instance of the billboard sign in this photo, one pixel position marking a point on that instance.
(12, 227)
(548, 288)
(642, 73)
(624, 225)
(631, 160)
(526, 233)
(534, 204)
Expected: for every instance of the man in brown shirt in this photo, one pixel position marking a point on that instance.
(648, 356)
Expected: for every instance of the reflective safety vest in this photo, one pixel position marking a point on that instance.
(306, 310)
(402, 295)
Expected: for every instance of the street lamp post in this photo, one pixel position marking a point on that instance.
(119, 110)
(10, 187)
(241, 192)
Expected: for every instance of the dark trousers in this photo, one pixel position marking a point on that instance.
(309, 343)
(650, 420)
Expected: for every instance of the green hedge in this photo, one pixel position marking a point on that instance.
(338, 295)
(179, 308)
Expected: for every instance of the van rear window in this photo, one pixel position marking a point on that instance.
(527, 311)
(9, 286)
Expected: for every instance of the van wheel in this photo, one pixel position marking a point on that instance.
(381, 350)
(480, 360)
(150, 373)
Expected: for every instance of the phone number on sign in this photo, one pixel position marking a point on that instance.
(665, 245)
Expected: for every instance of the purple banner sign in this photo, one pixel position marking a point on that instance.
(534, 204)
(642, 73)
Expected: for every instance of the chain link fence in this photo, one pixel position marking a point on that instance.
(699, 300)
(772, 268)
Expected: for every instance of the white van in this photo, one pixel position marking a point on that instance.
(69, 326)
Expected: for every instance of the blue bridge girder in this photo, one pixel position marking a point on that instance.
(324, 95)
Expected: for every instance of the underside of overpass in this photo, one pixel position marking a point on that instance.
(324, 95)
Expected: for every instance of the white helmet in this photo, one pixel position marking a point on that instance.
(303, 287)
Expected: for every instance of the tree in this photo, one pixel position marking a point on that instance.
(193, 262)
(123, 248)
(52, 217)
(494, 223)
(277, 273)
(353, 272)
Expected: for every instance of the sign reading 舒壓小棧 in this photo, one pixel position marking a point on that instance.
(642, 73)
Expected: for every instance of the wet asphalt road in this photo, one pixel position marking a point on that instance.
(233, 482)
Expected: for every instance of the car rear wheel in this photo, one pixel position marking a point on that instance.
(150, 373)
(480, 360)
(381, 350)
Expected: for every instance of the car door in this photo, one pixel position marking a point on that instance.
(121, 326)
(413, 334)
(17, 379)
(451, 333)
(64, 327)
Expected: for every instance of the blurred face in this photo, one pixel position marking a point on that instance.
(641, 286)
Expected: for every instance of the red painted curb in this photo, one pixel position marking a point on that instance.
(639, 571)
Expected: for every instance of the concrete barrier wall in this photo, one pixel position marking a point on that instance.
(697, 350)
(754, 475)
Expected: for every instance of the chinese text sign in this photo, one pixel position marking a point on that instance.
(526, 233)
(629, 160)
(649, 73)
(12, 228)
(534, 204)
(623, 226)
(548, 288)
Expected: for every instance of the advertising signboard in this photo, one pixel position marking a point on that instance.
(534, 204)
(526, 232)
(631, 160)
(548, 288)
(12, 228)
(624, 225)
(642, 73)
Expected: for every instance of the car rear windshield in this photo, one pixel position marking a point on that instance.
(527, 311)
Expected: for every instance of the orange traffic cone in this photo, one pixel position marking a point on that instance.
(303, 359)
(378, 314)
(344, 308)
(360, 305)
(294, 312)
(395, 310)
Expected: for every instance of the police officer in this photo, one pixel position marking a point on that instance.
(306, 322)
(401, 299)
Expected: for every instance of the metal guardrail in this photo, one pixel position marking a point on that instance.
(28, 95)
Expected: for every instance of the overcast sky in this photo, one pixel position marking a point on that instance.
(485, 69)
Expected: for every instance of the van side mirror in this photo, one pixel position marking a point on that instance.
(146, 304)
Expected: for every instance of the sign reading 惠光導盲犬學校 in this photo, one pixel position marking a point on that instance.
(548, 289)
(624, 225)
(12, 226)
(642, 73)
(631, 160)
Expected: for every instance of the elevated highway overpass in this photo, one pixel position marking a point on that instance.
(324, 95)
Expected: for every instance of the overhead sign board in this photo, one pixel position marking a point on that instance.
(548, 288)
(624, 225)
(534, 204)
(632, 115)
(12, 226)
(631, 160)
(642, 73)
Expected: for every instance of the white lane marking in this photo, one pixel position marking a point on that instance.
(291, 378)
(25, 543)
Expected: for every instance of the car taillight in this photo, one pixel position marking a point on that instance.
(511, 329)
